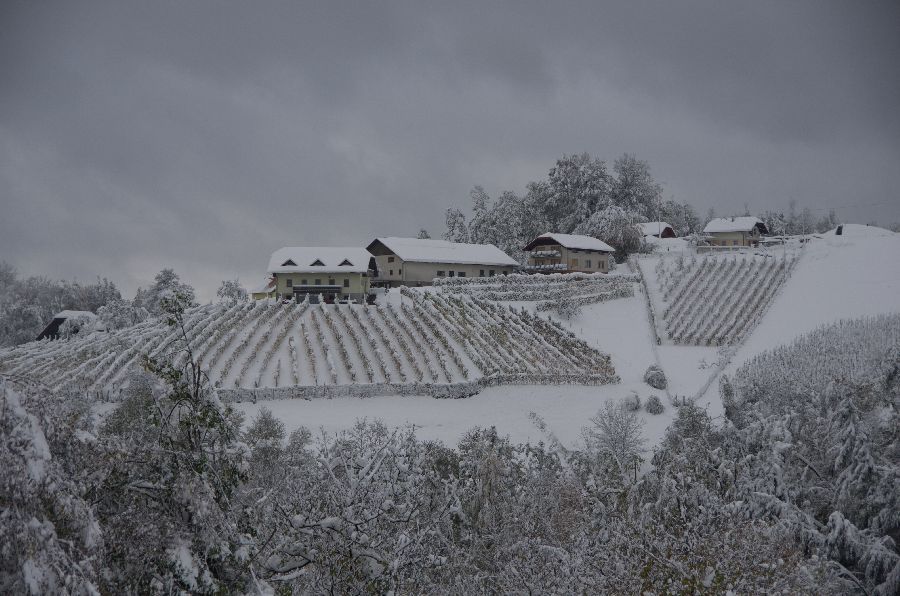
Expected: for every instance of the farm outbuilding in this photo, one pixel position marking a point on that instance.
(78, 317)
(656, 229)
(735, 231)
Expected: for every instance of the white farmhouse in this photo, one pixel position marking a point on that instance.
(417, 261)
(335, 272)
(735, 231)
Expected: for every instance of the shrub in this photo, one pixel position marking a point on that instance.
(632, 402)
(654, 405)
(655, 377)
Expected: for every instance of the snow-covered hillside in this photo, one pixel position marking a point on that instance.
(838, 277)
(439, 337)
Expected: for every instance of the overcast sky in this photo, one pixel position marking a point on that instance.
(202, 136)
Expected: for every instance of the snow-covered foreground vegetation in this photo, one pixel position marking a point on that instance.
(796, 494)
(426, 339)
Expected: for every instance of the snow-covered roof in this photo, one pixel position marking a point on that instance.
(265, 288)
(653, 228)
(733, 224)
(312, 259)
(420, 250)
(573, 241)
(72, 314)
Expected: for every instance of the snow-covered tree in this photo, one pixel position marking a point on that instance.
(634, 189)
(616, 433)
(50, 541)
(423, 234)
(457, 231)
(231, 292)
(616, 227)
(165, 283)
(119, 314)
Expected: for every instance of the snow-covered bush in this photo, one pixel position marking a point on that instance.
(632, 402)
(654, 405)
(120, 314)
(655, 377)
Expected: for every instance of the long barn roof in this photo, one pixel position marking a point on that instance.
(418, 250)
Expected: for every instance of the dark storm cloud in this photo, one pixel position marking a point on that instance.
(202, 136)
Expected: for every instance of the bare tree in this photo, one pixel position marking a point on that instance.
(616, 433)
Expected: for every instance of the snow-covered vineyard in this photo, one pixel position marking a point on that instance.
(546, 290)
(714, 300)
(427, 339)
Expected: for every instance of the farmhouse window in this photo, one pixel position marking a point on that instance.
(587, 264)
(461, 274)
(390, 259)
(330, 281)
(303, 282)
(289, 282)
(346, 282)
(440, 274)
(391, 272)
(452, 273)
(318, 282)
(481, 273)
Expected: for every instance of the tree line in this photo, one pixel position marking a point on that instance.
(581, 195)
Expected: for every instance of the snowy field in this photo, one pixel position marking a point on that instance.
(565, 409)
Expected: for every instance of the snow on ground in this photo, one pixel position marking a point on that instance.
(687, 367)
(620, 328)
(565, 409)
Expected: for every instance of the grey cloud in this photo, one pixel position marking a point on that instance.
(198, 135)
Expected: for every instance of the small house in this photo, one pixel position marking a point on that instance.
(78, 319)
(418, 261)
(335, 272)
(735, 231)
(656, 229)
(265, 290)
(567, 253)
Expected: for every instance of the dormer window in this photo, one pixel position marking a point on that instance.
(345, 263)
(289, 263)
(317, 263)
